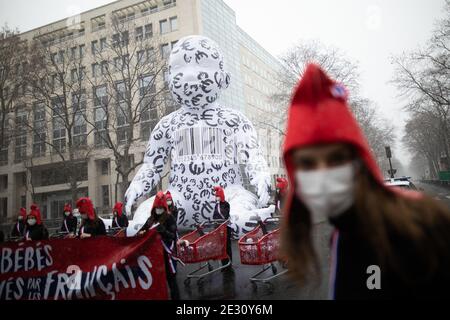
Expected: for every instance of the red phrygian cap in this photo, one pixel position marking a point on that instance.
(68, 207)
(23, 213)
(160, 201)
(219, 192)
(168, 195)
(118, 207)
(85, 206)
(282, 184)
(318, 114)
(36, 213)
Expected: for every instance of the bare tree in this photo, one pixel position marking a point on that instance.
(423, 78)
(58, 90)
(334, 62)
(12, 83)
(128, 97)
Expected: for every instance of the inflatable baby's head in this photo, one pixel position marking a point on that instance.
(196, 72)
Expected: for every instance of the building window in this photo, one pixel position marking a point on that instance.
(96, 70)
(164, 26)
(121, 39)
(148, 28)
(103, 44)
(149, 117)
(173, 23)
(82, 50)
(123, 128)
(94, 47)
(73, 53)
(21, 135)
(59, 129)
(105, 196)
(104, 165)
(165, 50)
(147, 85)
(39, 130)
(100, 107)
(79, 126)
(139, 33)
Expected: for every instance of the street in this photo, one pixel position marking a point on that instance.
(439, 193)
(237, 285)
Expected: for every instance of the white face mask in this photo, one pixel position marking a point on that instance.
(327, 192)
(31, 222)
(84, 216)
(159, 211)
(20, 218)
(67, 213)
(217, 199)
(169, 203)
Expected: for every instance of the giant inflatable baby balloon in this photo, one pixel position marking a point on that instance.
(206, 144)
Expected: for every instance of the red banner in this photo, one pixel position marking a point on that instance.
(96, 268)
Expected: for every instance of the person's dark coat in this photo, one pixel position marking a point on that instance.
(94, 227)
(36, 232)
(167, 228)
(18, 229)
(2, 236)
(354, 256)
(173, 209)
(69, 224)
(120, 221)
(221, 211)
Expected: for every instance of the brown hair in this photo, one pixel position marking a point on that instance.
(380, 215)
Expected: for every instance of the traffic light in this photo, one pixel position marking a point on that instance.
(388, 152)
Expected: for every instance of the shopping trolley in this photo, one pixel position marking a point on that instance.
(260, 247)
(116, 232)
(59, 235)
(203, 246)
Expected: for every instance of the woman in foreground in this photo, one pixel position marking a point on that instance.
(388, 242)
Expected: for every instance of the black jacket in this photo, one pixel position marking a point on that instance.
(120, 222)
(36, 232)
(224, 212)
(2, 236)
(167, 230)
(355, 255)
(18, 229)
(93, 227)
(69, 224)
(174, 211)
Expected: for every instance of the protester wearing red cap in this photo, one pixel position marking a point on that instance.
(91, 225)
(35, 230)
(387, 243)
(69, 223)
(18, 229)
(173, 210)
(280, 193)
(166, 226)
(222, 212)
(120, 220)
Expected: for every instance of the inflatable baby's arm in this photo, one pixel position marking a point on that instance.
(251, 155)
(155, 158)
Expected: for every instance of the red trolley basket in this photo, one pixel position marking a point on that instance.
(117, 232)
(204, 246)
(261, 247)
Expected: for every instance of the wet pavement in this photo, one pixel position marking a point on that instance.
(236, 284)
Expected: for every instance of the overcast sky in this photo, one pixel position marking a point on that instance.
(369, 32)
